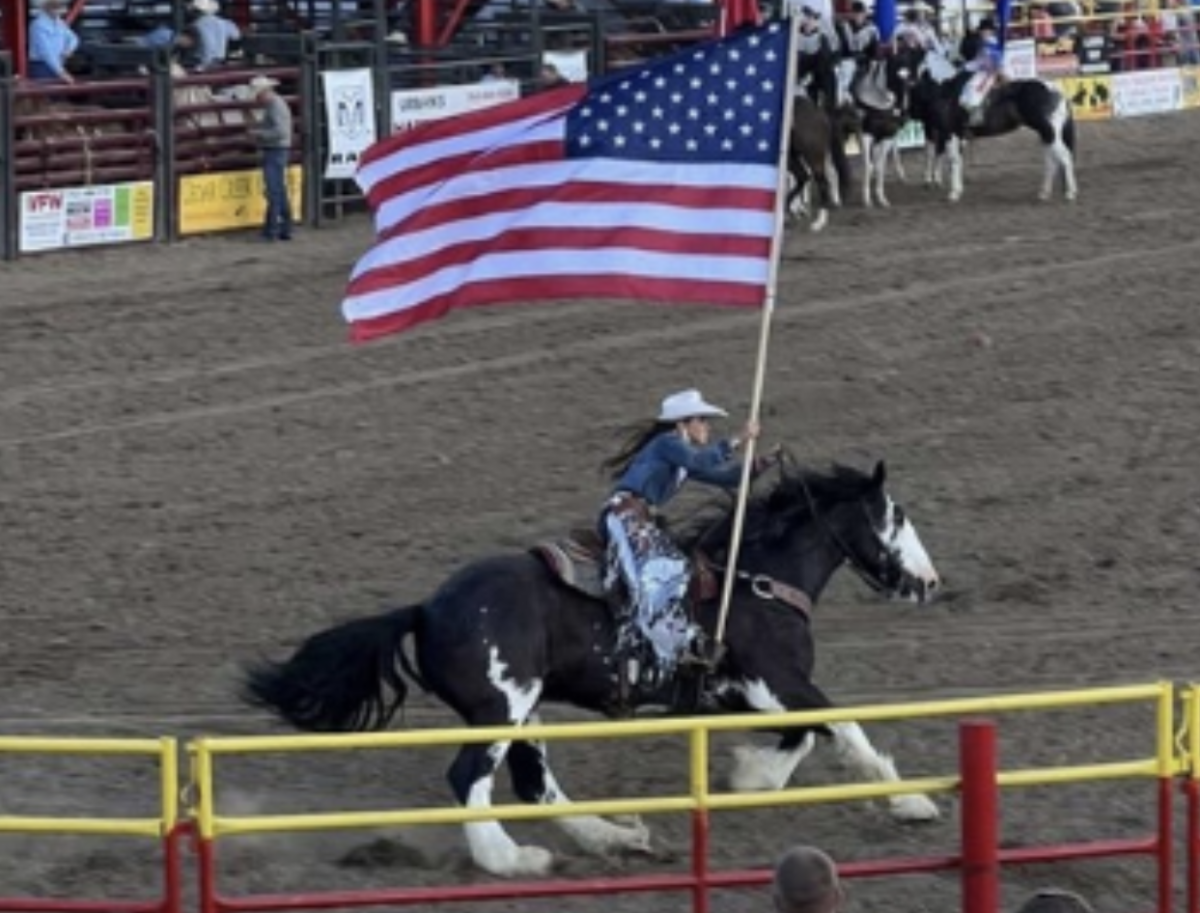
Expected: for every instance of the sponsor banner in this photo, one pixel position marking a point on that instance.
(1020, 59)
(1091, 96)
(414, 106)
(230, 199)
(571, 65)
(349, 119)
(1189, 78)
(82, 216)
(1147, 92)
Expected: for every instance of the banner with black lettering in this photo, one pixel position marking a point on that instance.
(349, 119)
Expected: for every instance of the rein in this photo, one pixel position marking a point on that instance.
(863, 574)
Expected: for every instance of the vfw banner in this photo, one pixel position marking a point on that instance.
(350, 119)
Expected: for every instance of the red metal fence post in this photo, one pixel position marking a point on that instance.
(980, 817)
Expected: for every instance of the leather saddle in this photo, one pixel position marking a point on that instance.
(579, 562)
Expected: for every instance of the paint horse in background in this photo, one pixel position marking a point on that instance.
(507, 633)
(817, 159)
(1009, 106)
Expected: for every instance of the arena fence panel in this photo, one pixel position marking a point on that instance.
(977, 782)
(164, 826)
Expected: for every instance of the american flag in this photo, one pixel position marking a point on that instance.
(657, 183)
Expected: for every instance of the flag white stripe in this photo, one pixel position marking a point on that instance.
(610, 261)
(654, 176)
(678, 220)
(500, 136)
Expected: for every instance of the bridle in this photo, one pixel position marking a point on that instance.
(787, 458)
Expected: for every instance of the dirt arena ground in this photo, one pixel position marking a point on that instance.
(195, 467)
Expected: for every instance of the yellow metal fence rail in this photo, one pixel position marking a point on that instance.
(1163, 763)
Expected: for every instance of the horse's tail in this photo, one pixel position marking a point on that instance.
(347, 678)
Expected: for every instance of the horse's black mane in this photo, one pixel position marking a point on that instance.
(772, 513)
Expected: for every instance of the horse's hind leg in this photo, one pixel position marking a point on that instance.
(472, 775)
(534, 782)
(857, 752)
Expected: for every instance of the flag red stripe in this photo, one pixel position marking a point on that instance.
(443, 169)
(543, 239)
(550, 288)
(703, 199)
(484, 119)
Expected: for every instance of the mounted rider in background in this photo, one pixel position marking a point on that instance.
(817, 47)
(983, 56)
(859, 39)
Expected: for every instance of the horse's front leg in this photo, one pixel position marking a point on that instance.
(883, 151)
(867, 152)
(763, 769)
(534, 782)
(954, 157)
(856, 751)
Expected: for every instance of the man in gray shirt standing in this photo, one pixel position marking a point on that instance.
(274, 135)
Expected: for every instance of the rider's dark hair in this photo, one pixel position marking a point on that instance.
(636, 436)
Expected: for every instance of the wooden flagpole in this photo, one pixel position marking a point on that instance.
(764, 335)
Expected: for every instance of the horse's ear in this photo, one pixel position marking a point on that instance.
(880, 475)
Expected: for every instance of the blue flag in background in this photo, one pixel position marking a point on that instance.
(885, 19)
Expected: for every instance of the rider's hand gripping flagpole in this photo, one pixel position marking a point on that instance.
(764, 337)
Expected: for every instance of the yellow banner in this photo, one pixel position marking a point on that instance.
(1091, 96)
(1190, 77)
(230, 199)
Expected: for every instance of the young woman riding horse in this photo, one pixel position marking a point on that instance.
(650, 470)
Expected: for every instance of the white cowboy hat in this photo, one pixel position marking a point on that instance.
(262, 83)
(211, 7)
(687, 404)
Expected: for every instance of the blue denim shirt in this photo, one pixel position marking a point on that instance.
(659, 470)
(51, 41)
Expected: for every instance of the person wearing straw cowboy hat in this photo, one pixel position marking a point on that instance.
(274, 135)
(209, 34)
(657, 458)
(916, 32)
(51, 42)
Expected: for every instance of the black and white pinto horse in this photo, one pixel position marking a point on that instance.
(506, 633)
(877, 102)
(1009, 106)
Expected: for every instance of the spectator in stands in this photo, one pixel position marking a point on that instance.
(806, 881)
(51, 42)
(1179, 23)
(915, 30)
(209, 35)
(274, 134)
(1052, 900)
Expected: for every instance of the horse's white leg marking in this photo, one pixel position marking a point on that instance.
(867, 152)
(856, 751)
(954, 152)
(819, 220)
(593, 834)
(884, 151)
(1049, 170)
(491, 847)
(898, 161)
(1066, 159)
(765, 768)
(835, 182)
(933, 174)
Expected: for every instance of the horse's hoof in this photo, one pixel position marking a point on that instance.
(532, 860)
(914, 808)
(820, 221)
(883, 201)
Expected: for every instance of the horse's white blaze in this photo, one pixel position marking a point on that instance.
(491, 847)
(764, 768)
(857, 752)
(905, 542)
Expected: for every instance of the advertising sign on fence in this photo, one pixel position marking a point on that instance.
(81, 216)
(1147, 92)
(1190, 77)
(1091, 96)
(413, 106)
(1020, 59)
(230, 199)
(349, 119)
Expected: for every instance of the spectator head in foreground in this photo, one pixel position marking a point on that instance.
(1053, 900)
(806, 881)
